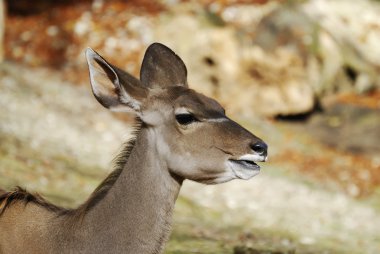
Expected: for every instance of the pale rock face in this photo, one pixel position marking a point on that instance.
(276, 59)
(354, 29)
(253, 81)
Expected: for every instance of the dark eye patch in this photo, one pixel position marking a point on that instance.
(185, 119)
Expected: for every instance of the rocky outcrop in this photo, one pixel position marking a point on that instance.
(242, 74)
(271, 59)
(277, 59)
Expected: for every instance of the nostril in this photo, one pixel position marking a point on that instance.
(260, 148)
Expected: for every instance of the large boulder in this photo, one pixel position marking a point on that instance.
(243, 76)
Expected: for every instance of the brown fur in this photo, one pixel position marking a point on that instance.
(119, 163)
(21, 195)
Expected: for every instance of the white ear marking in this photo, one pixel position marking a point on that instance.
(112, 87)
(128, 100)
(91, 54)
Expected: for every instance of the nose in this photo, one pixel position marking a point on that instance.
(260, 148)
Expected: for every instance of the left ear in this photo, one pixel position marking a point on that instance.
(114, 88)
(161, 67)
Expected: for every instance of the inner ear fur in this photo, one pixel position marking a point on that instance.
(114, 88)
(161, 67)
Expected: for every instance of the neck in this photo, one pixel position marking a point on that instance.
(135, 215)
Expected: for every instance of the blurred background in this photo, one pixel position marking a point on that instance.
(301, 74)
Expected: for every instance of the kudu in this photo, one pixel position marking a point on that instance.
(181, 134)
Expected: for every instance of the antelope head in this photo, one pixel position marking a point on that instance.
(188, 131)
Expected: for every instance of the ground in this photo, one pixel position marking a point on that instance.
(312, 196)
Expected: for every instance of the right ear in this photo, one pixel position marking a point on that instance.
(114, 88)
(161, 67)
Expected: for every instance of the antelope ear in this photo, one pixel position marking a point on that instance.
(114, 88)
(161, 67)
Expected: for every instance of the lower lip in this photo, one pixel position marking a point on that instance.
(247, 165)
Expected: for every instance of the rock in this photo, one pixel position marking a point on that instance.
(349, 128)
(286, 26)
(246, 79)
(276, 82)
(355, 29)
(274, 58)
(212, 55)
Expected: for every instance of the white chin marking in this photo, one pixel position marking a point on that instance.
(224, 178)
(242, 172)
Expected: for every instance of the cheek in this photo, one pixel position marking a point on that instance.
(183, 165)
(189, 157)
(195, 162)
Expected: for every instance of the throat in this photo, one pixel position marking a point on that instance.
(136, 212)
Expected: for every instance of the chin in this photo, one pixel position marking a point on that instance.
(245, 175)
(225, 177)
(243, 171)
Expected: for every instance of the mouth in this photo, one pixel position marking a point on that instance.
(246, 164)
(245, 167)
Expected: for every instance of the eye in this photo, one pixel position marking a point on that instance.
(185, 119)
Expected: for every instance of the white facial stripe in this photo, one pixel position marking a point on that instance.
(217, 120)
(252, 157)
(182, 111)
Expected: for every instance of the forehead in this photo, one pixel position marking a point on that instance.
(196, 103)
